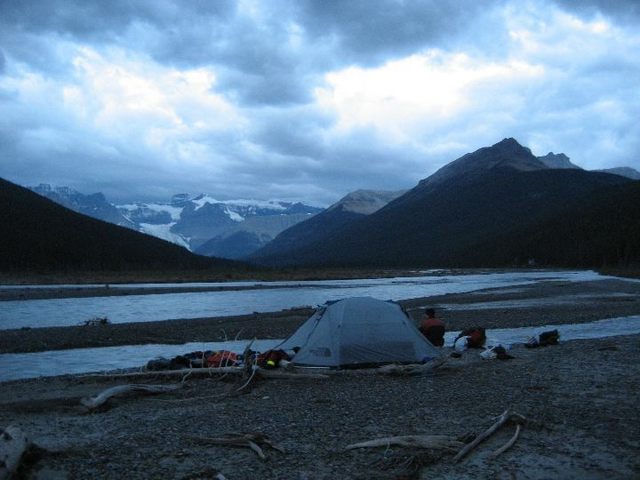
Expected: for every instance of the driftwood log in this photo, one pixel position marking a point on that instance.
(248, 440)
(503, 419)
(444, 442)
(288, 371)
(509, 444)
(412, 369)
(120, 390)
(210, 372)
(449, 443)
(248, 375)
(13, 444)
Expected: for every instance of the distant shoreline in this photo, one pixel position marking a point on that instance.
(92, 285)
(250, 275)
(44, 293)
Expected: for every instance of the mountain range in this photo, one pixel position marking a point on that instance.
(348, 210)
(471, 205)
(41, 236)
(202, 224)
(498, 206)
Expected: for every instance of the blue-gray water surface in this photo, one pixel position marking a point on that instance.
(145, 308)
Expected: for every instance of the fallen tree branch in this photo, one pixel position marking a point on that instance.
(96, 401)
(509, 444)
(246, 384)
(193, 372)
(249, 369)
(206, 372)
(289, 371)
(413, 368)
(502, 420)
(278, 374)
(13, 444)
(445, 442)
(248, 440)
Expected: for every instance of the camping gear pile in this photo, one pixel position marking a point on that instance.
(474, 337)
(491, 348)
(349, 333)
(219, 359)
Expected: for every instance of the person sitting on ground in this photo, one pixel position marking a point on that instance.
(432, 328)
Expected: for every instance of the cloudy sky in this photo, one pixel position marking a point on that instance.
(306, 100)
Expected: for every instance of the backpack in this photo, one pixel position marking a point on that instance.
(545, 339)
(271, 358)
(477, 337)
(549, 338)
(223, 358)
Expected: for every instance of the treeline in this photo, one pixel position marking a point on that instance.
(604, 232)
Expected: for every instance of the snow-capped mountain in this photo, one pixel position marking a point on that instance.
(189, 221)
(192, 221)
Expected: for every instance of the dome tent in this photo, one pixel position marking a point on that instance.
(356, 332)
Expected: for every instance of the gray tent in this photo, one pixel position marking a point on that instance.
(359, 331)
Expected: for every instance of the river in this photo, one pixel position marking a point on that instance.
(145, 308)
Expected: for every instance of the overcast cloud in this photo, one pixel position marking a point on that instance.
(306, 100)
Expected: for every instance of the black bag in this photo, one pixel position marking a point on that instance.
(545, 339)
(549, 338)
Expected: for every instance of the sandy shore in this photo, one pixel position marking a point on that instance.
(580, 399)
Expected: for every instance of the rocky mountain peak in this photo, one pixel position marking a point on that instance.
(507, 153)
(557, 160)
(365, 201)
(48, 189)
(508, 144)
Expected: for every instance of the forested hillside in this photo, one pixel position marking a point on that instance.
(605, 232)
(40, 235)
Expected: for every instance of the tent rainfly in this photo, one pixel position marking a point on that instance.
(359, 331)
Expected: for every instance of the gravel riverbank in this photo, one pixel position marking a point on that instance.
(579, 398)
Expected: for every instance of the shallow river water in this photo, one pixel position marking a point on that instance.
(144, 308)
